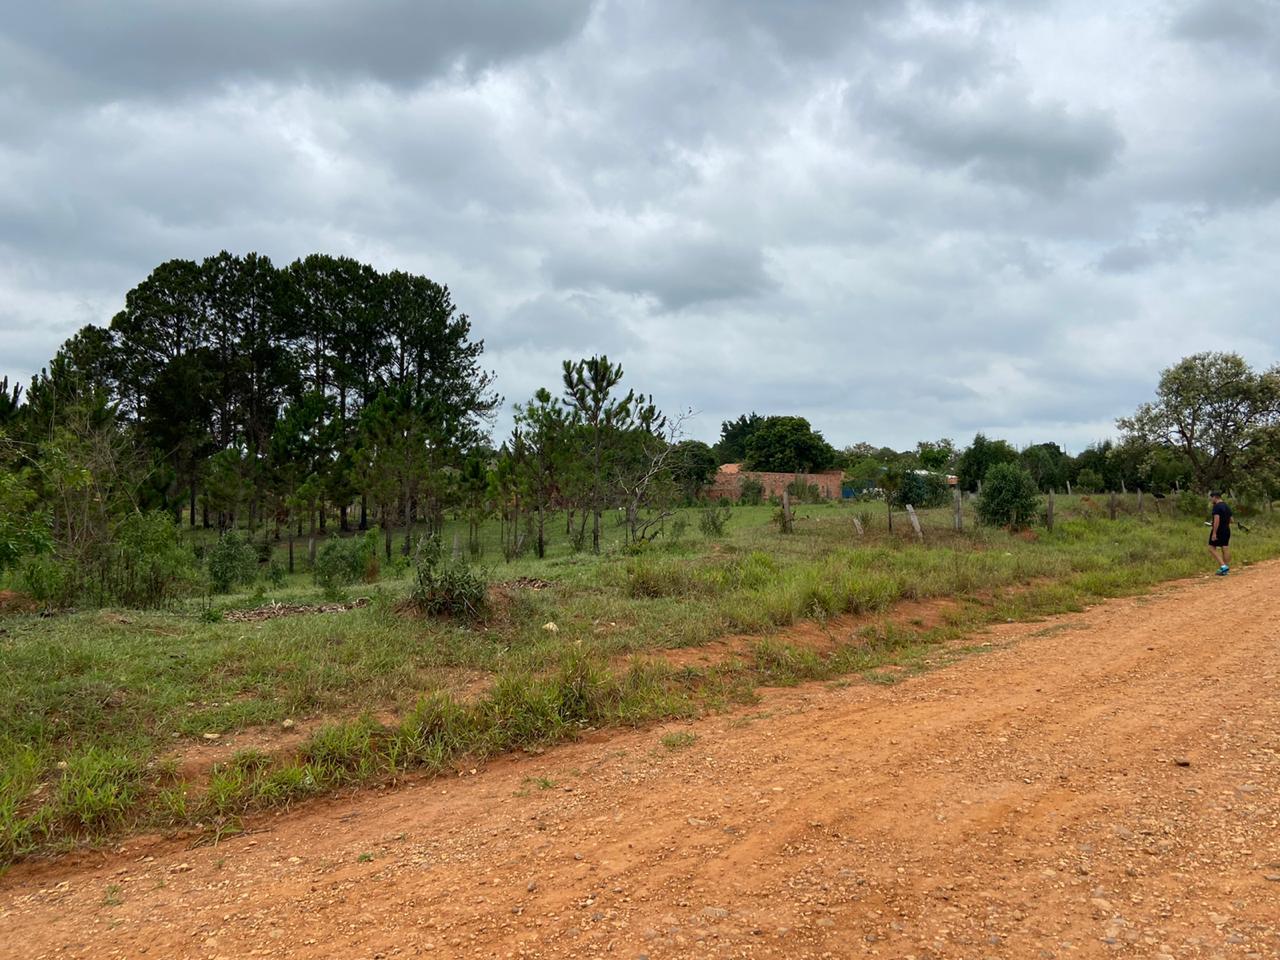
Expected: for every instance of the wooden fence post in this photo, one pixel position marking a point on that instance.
(1048, 516)
(959, 511)
(1068, 488)
(915, 523)
(857, 526)
(1141, 511)
(786, 512)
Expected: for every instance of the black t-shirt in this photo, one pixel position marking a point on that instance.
(1223, 513)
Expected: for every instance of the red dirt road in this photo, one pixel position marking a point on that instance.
(1103, 784)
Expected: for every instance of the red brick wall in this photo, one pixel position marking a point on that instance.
(728, 482)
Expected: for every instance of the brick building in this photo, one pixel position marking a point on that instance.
(728, 482)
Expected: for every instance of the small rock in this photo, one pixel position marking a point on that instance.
(1182, 761)
(180, 868)
(212, 736)
(533, 885)
(550, 627)
(1273, 877)
(715, 913)
(287, 724)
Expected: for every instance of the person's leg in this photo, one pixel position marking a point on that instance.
(1226, 556)
(1213, 552)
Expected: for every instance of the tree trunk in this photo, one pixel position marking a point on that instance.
(343, 525)
(192, 511)
(291, 550)
(364, 511)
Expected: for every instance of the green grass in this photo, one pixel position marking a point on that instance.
(94, 704)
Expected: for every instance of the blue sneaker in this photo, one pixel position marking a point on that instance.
(1223, 570)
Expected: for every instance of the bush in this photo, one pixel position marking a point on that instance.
(801, 492)
(233, 562)
(1193, 504)
(145, 565)
(712, 521)
(1009, 496)
(751, 491)
(447, 587)
(921, 490)
(152, 566)
(346, 560)
(1088, 481)
(276, 573)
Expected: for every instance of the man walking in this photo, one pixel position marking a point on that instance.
(1220, 534)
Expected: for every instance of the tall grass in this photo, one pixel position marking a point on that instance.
(92, 703)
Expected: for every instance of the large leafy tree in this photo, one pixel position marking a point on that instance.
(693, 466)
(734, 435)
(788, 445)
(980, 457)
(1217, 412)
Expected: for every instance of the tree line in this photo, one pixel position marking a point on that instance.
(232, 394)
(1214, 423)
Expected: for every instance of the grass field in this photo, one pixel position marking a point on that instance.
(99, 710)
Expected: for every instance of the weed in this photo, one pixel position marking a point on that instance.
(680, 740)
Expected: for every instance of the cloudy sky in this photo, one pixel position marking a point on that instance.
(901, 220)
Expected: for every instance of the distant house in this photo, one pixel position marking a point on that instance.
(728, 482)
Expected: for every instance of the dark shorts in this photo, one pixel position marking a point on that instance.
(1222, 540)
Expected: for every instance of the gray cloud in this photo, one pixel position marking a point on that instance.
(899, 221)
(150, 48)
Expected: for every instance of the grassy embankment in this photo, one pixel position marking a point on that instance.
(97, 707)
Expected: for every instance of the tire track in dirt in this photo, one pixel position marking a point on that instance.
(1024, 803)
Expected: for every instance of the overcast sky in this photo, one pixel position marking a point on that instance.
(902, 221)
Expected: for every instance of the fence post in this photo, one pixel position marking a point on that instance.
(1141, 511)
(786, 512)
(1048, 516)
(1111, 505)
(959, 511)
(1068, 488)
(857, 526)
(915, 523)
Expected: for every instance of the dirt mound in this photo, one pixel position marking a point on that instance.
(13, 602)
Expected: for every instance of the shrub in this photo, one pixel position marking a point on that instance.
(276, 573)
(1192, 504)
(752, 491)
(712, 520)
(1009, 496)
(801, 492)
(921, 490)
(448, 587)
(152, 566)
(346, 560)
(233, 562)
(1088, 481)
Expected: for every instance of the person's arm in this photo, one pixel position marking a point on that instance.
(1214, 532)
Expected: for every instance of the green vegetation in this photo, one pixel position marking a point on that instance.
(98, 707)
(1009, 497)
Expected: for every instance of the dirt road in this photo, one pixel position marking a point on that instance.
(1104, 784)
